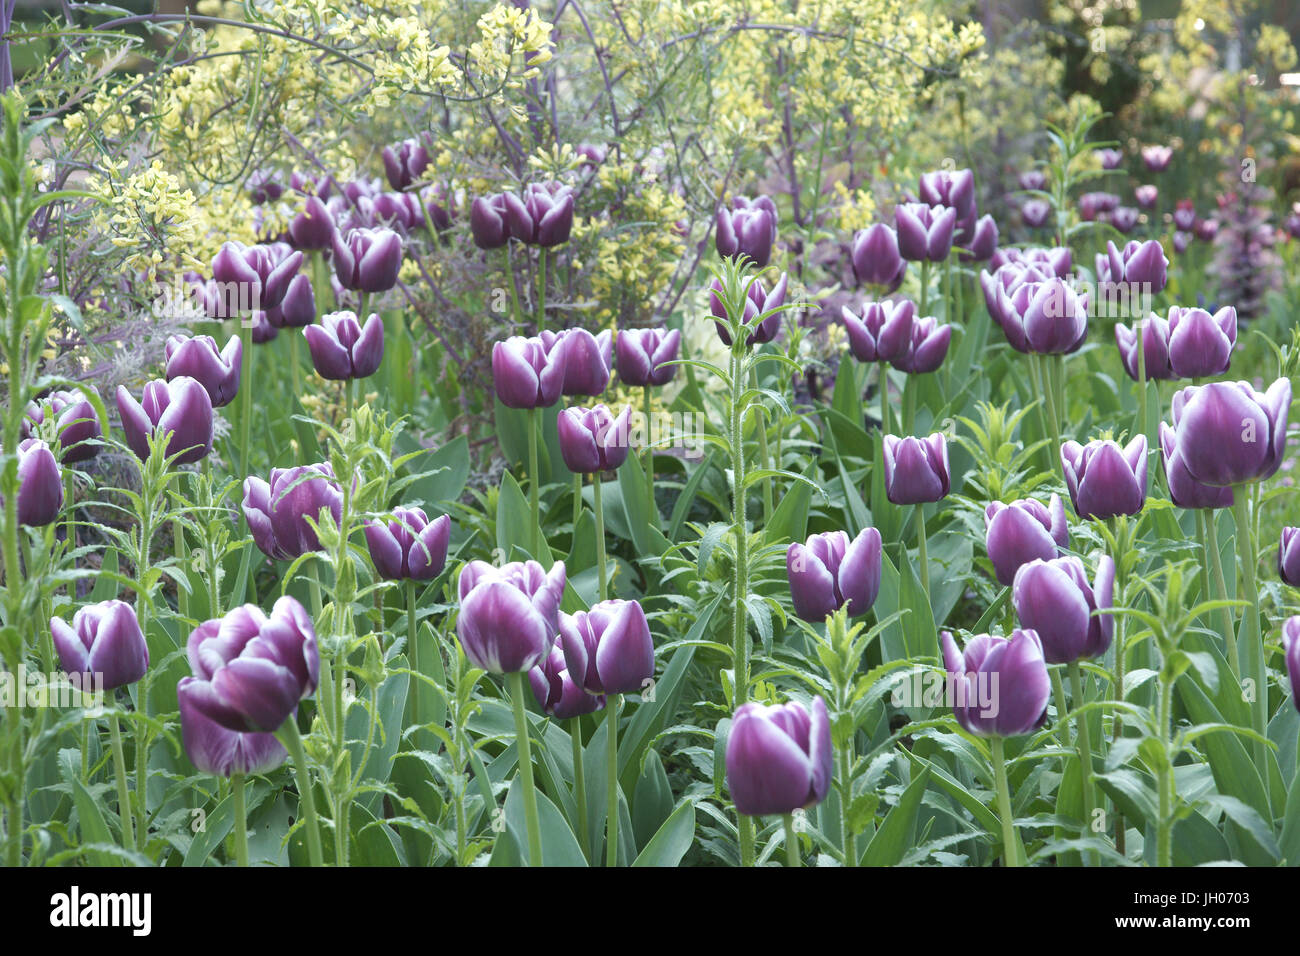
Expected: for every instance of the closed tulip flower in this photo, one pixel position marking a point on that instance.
(883, 332)
(509, 616)
(409, 547)
(1184, 490)
(1291, 644)
(1054, 599)
(250, 669)
(198, 357)
(916, 469)
(1125, 218)
(543, 216)
(1288, 557)
(1097, 205)
(1109, 158)
(747, 229)
(999, 285)
(487, 221)
(1001, 683)
(1057, 261)
(983, 241)
(927, 349)
(779, 758)
(404, 162)
(103, 643)
(215, 749)
(313, 227)
(758, 302)
(367, 260)
(608, 650)
(1185, 215)
(277, 511)
(828, 571)
(76, 423)
(342, 348)
(40, 484)
(527, 372)
(557, 693)
(298, 309)
(1157, 158)
(924, 232)
(1143, 263)
(592, 439)
(1036, 212)
(1048, 317)
(262, 272)
(1032, 179)
(1024, 531)
(1146, 196)
(1200, 344)
(1228, 433)
(262, 329)
(640, 355)
(876, 258)
(1181, 241)
(1155, 346)
(1206, 229)
(181, 406)
(1105, 480)
(952, 188)
(586, 358)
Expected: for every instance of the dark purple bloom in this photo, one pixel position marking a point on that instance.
(298, 308)
(928, 347)
(916, 469)
(952, 188)
(592, 439)
(758, 302)
(608, 649)
(883, 332)
(1185, 215)
(1288, 557)
(1053, 598)
(1057, 261)
(509, 616)
(556, 692)
(1046, 317)
(277, 511)
(924, 232)
(586, 359)
(1228, 433)
(1184, 490)
(779, 758)
(747, 229)
(1104, 479)
(342, 348)
(1023, 531)
(103, 639)
(527, 372)
(367, 260)
(254, 277)
(1124, 219)
(1033, 179)
(983, 241)
(1291, 644)
(1143, 263)
(487, 221)
(214, 749)
(999, 685)
(313, 227)
(409, 546)
(829, 571)
(262, 329)
(40, 484)
(1200, 344)
(640, 354)
(1157, 158)
(876, 258)
(76, 423)
(1036, 212)
(181, 406)
(543, 216)
(404, 162)
(198, 357)
(1096, 205)
(1155, 348)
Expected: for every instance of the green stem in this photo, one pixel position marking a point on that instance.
(245, 391)
(925, 289)
(241, 819)
(922, 556)
(601, 560)
(1142, 376)
(846, 804)
(524, 748)
(412, 639)
(1084, 740)
(119, 770)
(142, 741)
(577, 509)
(516, 310)
(650, 458)
(579, 784)
(740, 636)
(534, 483)
(1165, 825)
(289, 736)
(764, 457)
(1010, 855)
(1248, 557)
(612, 706)
(883, 388)
(541, 289)
(791, 841)
(1221, 585)
(1062, 720)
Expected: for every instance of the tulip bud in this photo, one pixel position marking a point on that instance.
(1206, 229)
(1155, 346)
(1181, 241)
(828, 571)
(556, 692)
(1185, 215)
(410, 546)
(298, 308)
(529, 372)
(1184, 490)
(758, 302)
(608, 649)
(40, 484)
(1023, 531)
(640, 354)
(1097, 205)
(404, 162)
(367, 260)
(342, 348)
(592, 439)
(1033, 179)
(1057, 261)
(487, 222)
(779, 758)
(999, 684)
(1291, 644)
(924, 232)
(983, 241)
(1288, 557)
(313, 228)
(216, 371)
(251, 670)
(1200, 344)
(586, 359)
(1141, 263)
(927, 348)
(1104, 480)
(1053, 598)
(1228, 433)
(181, 406)
(262, 330)
(1124, 219)
(76, 426)
(954, 189)
(747, 229)
(509, 616)
(916, 469)
(103, 644)
(277, 511)
(543, 216)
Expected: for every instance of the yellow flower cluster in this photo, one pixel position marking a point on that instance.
(151, 216)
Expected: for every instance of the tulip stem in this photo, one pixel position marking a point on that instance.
(245, 390)
(579, 784)
(1221, 586)
(524, 749)
(922, 556)
(577, 509)
(1165, 779)
(764, 456)
(413, 651)
(846, 803)
(119, 769)
(320, 280)
(241, 819)
(883, 388)
(925, 289)
(516, 311)
(612, 706)
(142, 755)
(542, 256)
(1083, 737)
(289, 736)
(1248, 558)
(1062, 720)
(1010, 855)
(1050, 367)
(650, 458)
(791, 841)
(600, 537)
(533, 483)
(1142, 375)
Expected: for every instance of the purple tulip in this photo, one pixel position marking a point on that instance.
(254, 277)
(1141, 263)
(1109, 158)
(1291, 643)
(1024, 531)
(999, 685)
(181, 406)
(927, 349)
(342, 348)
(262, 187)
(393, 211)
(608, 649)
(1046, 317)
(779, 758)
(527, 372)
(103, 643)
(916, 469)
(367, 260)
(1157, 158)
(1185, 215)
(883, 332)
(487, 221)
(586, 360)
(214, 749)
(40, 484)
(829, 571)
(262, 329)
(640, 355)
(409, 547)
(758, 302)
(1184, 490)
(983, 241)
(298, 308)
(543, 216)
(1053, 598)
(318, 185)
(1125, 218)
(1155, 348)
(1033, 180)
(593, 440)
(433, 202)
(1097, 205)
(277, 511)
(216, 371)
(251, 670)
(557, 694)
(1105, 480)
(1036, 212)
(1181, 241)
(76, 427)
(1228, 433)
(876, 259)
(509, 616)
(1007, 279)
(1146, 196)
(1057, 261)
(1288, 557)
(404, 162)
(313, 227)
(1200, 344)
(952, 188)
(924, 232)
(747, 229)
(1206, 229)
(1292, 225)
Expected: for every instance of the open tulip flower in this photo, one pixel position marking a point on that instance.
(181, 407)
(1057, 261)
(1201, 344)
(260, 275)
(586, 359)
(883, 330)
(543, 216)
(593, 439)
(1138, 263)
(342, 348)
(925, 233)
(103, 644)
(1048, 317)
(748, 229)
(529, 372)
(1228, 434)
(829, 571)
(404, 162)
(76, 423)
(779, 758)
(1023, 531)
(409, 547)
(927, 348)
(1105, 480)
(313, 227)
(557, 693)
(40, 484)
(609, 650)
(876, 258)
(916, 469)
(1000, 684)
(367, 260)
(218, 750)
(198, 357)
(1184, 490)
(640, 355)
(952, 188)
(981, 242)
(277, 511)
(1054, 599)
(509, 616)
(758, 302)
